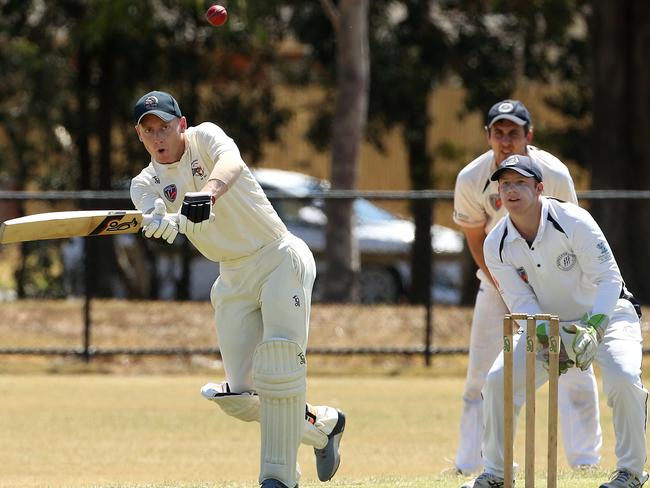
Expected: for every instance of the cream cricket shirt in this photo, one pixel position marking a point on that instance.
(245, 220)
(476, 198)
(568, 270)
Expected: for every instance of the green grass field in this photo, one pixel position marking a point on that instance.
(92, 430)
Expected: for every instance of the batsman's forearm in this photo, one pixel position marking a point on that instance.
(216, 188)
(226, 171)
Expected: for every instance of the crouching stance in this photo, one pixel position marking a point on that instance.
(548, 256)
(262, 297)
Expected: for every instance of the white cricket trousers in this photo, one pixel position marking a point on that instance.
(578, 398)
(619, 357)
(259, 297)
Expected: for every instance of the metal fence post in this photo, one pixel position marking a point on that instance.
(88, 292)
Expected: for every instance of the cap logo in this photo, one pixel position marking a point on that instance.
(512, 161)
(151, 102)
(506, 107)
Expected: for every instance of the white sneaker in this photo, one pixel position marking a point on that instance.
(485, 480)
(622, 478)
(328, 458)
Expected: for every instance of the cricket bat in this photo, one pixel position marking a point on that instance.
(78, 223)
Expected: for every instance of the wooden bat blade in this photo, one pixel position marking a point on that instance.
(79, 223)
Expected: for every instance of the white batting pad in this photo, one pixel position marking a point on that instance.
(279, 374)
(243, 406)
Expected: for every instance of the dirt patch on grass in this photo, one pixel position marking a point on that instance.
(162, 325)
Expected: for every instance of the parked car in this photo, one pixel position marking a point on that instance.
(384, 239)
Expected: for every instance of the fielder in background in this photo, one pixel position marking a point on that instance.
(551, 256)
(197, 184)
(477, 209)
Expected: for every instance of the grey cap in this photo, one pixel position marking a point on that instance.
(159, 103)
(512, 110)
(521, 164)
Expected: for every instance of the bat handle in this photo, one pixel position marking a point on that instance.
(147, 218)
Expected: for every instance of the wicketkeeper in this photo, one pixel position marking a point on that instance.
(548, 256)
(197, 184)
(477, 209)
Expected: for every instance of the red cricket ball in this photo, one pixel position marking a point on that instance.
(217, 15)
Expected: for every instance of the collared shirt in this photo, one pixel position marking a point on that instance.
(476, 198)
(568, 270)
(244, 220)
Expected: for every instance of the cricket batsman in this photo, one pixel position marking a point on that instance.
(197, 184)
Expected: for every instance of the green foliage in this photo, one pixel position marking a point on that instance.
(72, 70)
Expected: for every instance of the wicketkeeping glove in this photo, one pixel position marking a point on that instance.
(542, 353)
(162, 225)
(196, 212)
(588, 336)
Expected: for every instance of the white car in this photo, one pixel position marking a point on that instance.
(384, 239)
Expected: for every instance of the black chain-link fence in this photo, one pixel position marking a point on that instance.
(130, 267)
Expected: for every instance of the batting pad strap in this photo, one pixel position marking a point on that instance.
(243, 406)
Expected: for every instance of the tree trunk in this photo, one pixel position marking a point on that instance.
(420, 176)
(103, 260)
(82, 123)
(342, 253)
(621, 155)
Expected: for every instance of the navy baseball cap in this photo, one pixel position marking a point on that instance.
(159, 103)
(521, 164)
(512, 110)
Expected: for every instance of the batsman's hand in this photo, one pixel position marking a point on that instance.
(588, 334)
(196, 212)
(162, 225)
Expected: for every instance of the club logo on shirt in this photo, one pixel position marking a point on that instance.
(495, 201)
(605, 253)
(171, 192)
(197, 169)
(522, 274)
(566, 261)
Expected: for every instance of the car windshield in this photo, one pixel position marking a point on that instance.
(367, 212)
(293, 211)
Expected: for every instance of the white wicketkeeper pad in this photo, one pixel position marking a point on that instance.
(279, 374)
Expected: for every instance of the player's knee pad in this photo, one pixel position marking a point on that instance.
(279, 369)
(243, 406)
(279, 375)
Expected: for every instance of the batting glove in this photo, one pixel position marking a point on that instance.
(589, 334)
(196, 212)
(162, 225)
